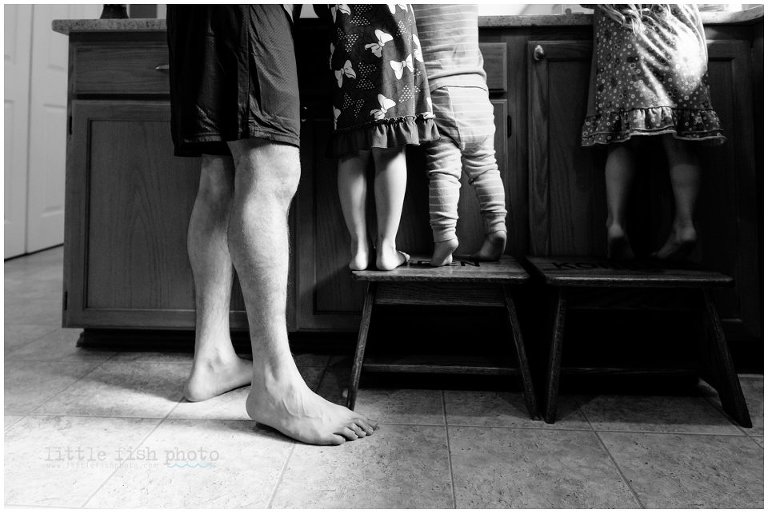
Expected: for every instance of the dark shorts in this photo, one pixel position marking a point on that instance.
(232, 75)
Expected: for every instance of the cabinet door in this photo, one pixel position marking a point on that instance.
(127, 212)
(567, 190)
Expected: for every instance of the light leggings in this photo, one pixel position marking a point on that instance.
(464, 117)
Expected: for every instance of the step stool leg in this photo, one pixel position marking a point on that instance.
(525, 370)
(362, 338)
(724, 372)
(555, 355)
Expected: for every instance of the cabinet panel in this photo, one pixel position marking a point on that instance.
(567, 197)
(326, 295)
(127, 216)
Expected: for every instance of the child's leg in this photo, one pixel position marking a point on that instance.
(619, 172)
(685, 174)
(389, 192)
(444, 171)
(352, 193)
(479, 162)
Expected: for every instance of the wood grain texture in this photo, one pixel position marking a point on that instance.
(728, 386)
(517, 338)
(362, 340)
(127, 246)
(555, 356)
(430, 293)
(495, 65)
(121, 68)
(418, 269)
(566, 197)
(569, 271)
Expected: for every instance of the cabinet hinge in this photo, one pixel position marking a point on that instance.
(66, 297)
(69, 124)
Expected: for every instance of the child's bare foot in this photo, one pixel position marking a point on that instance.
(360, 257)
(390, 258)
(492, 248)
(296, 411)
(618, 244)
(215, 375)
(443, 252)
(680, 244)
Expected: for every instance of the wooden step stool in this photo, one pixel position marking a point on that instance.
(569, 276)
(464, 283)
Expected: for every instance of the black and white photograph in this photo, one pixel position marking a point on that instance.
(384, 256)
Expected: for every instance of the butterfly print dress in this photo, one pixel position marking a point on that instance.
(381, 95)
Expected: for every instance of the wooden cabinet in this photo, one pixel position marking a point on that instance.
(128, 206)
(129, 199)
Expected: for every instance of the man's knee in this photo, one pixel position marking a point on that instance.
(266, 170)
(216, 179)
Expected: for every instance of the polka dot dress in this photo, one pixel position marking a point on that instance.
(380, 88)
(650, 83)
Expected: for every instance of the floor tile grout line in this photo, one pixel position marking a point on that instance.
(143, 440)
(448, 447)
(57, 394)
(110, 476)
(6, 428)
(756, 442)
(618, 469)
(282, 473)
(22, 345)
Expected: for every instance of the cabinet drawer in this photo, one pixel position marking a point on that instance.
(122, 68)
(495, 64)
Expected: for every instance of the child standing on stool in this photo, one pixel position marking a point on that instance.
(649, 78)
(464, 117)
(380, 104)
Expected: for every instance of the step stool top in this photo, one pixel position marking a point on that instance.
(506, 270)
(575, 271)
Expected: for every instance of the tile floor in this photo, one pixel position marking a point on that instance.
(109, 429)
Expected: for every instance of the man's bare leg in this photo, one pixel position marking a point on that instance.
(216, 368)
(266, 178)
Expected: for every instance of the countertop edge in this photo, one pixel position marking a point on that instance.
(753, 15)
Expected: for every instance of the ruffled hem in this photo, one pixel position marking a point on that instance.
(687, 124)
(383, 133)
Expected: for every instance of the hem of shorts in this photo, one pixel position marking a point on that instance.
(597, 140)
(217, 138)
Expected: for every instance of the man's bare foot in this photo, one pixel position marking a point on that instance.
(299, 413)
(443, 252)
(388, 259)
(492, 248)
(618, 244)
(360, 257)
(214, 376)
(680, 244)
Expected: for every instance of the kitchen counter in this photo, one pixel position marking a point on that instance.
(752, 15)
